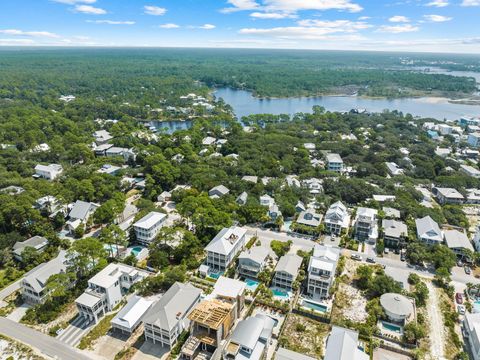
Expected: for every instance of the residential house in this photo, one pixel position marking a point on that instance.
(38, 243)
(309, 217)
(309, 146)
(447, 196)
(383, 198)
(131, 315)
(394, 233)
(250, 338)
(366, 227)
(242, 198)
(168, 317)
(49, 172)
(314, 185)
(428, 231)
(252, 261)
(80, 214)
(393, 169)
(334, 162)
(321, 270)
(469, 120)
(300, 207)
(251, 179)
(218, 192)
(458, 242)
(33, 285)
(473, 196)
(127, 154)
(285, 354)
(147, 228)
(102, 137)
(231, 291)
(337, 218)
(224, 247)
(471, 331)
(164, 197)
(343, 344)
(391, 213)
(106, 289)
(274, 212)
(49, 205)
(470, 171)
(286, 271)
(474, 139)
(101, 150)
(266, 200)
(207, 141)
(109, 169)
(292, 181)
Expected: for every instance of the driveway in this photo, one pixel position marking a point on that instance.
(151, 351)
(437, 330)
(17, 314)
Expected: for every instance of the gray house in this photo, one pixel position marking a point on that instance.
(167, 318)
(251, 262)
(394, 232)
(286, 271)
(39, 243)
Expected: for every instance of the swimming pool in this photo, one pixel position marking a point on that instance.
(282, 294)
(391, 327)
(251, 284)
(215, 275)
(136, 250)
(314, 306)
(476, 306)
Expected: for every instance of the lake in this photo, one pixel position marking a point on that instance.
(244, 103)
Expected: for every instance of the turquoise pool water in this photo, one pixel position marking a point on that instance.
(280, 293)
(314, 306)
(391, 327)
(214, 275)
(476, 306)
(136, 250)
(251, 284)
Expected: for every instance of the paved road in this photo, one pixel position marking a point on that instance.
(43, 343)
(266, 236)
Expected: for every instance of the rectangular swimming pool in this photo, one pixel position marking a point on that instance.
(314, 306)
(251, 284)
(391, 327)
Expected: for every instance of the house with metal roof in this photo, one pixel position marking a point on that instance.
(147, 228)
(130, 316)
(394, 232)
(33, 286)
(218, 191)
(343, 344)
(106, 289)
(242, 198)
(337, 218)
(286, 271)
(428, 231)
(80, 213)
(321, 270)
(38, 243)
(458, 242)
(231, 291)
(167, 318)
(250, 338)
(224, 247)
(366, 226)
(471, 330)
(285, 354)
(252, 261)
(447, 195)
(334, 162)
(49, 172)
(102, 137)
(393, 169)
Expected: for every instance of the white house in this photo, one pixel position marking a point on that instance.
(130, 317)
(224, 247)
(321, 270)
(286, 271)
(394, 169)
(218, 191)
(148, 227)
(33, 285)
(102, 137)
(38, 243)
(337, 218)
(266, 200)
(334, 162)
(474, 139)
(252, 261)
(80, 213)
(447, 195)
(106, 289)
(343, 344)
(428, 231)
(470, 171)
(309, 217)
(471, 329)
(49, 172)
(366, 224)
(167, 318)
(458, 242)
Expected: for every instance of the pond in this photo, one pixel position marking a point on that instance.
(244, 103)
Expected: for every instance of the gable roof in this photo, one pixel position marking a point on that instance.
(257, 254)
(165, 313)
(150, 219)
(35, 242)
(225, 240)
(394, 228)
(427, 228)
(285, 354)
(290, 264)
(39, 277)
(132, 312)
(81, 209)
(342, 344)
(457, 239)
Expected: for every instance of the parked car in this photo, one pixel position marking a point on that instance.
(370, 260)
(386, 251)
(459, 298)
(403, 257)
(467, 270)
(459, 263)
(461, 309)
(356, 257)
(396, 251)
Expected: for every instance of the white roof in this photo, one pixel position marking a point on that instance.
(226, 287)
(150, 220)
(334, 158)
(226, 240)
(133, 312)
(449, 193)
(457, 239)
(285, 354)
(110, 274)
(342, 344)
(290, 264)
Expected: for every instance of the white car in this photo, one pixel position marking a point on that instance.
(461, 309)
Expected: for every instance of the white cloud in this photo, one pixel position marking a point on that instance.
(169, 26)
(364, 18)
(111, 22)
(154, 10)
(305, 32)
(292, 6)
(471, 3)
(87, 9)
(272, 15)
(437, 18)
(397, 29)
(15, 32)
(399, 19)
(10, 42)
(207, 27)
(337, 25)
(438, 3)
(73, 2)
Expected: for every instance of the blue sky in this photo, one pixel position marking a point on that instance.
(403, 25)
